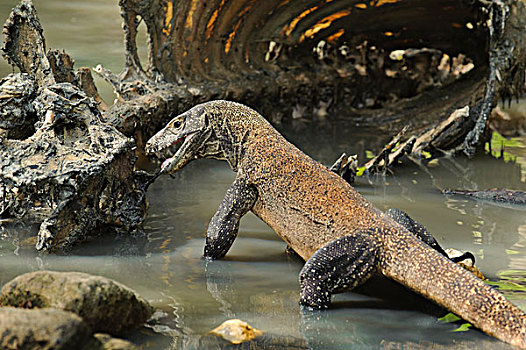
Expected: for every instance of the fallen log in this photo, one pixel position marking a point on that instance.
(499, 195)
(369, 72)
(366, 71)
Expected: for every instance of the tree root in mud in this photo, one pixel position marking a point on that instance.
(67, 160)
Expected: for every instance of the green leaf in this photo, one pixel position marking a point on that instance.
(369, 154)
(464, 327)
(360, 170)
(499, 144)
(512, 283)
(512, 273)
(508, 285)
(448, 318)
(426, 154)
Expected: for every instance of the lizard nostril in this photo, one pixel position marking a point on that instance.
(149, 148)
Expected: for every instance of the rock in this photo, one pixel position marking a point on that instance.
(267, 341)
(467, 263)
(110, 343)
(105, 305)
(236, 331)
(44, 329)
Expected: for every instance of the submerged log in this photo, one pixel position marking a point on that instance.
(499, 195)
(67, 160)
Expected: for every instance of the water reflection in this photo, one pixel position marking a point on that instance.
(90, 31)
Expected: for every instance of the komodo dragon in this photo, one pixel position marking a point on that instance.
(342, 237)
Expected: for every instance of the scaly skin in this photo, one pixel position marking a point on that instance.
(342, 236)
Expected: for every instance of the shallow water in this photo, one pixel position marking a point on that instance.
(90, 31)
(257, 281)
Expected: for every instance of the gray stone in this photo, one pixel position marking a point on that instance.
(105, 305)
(44, 329)
(110, 343)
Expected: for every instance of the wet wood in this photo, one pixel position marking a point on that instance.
(72, 173)
(500, 195)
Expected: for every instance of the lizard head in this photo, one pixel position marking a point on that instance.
(191, 129)
(215, 129)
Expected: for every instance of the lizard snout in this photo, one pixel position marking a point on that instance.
(150, 147)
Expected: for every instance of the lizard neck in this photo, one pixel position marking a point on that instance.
(233, 130)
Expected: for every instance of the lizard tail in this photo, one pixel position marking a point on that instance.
(415, 265)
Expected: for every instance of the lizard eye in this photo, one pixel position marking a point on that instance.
(176, 124)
